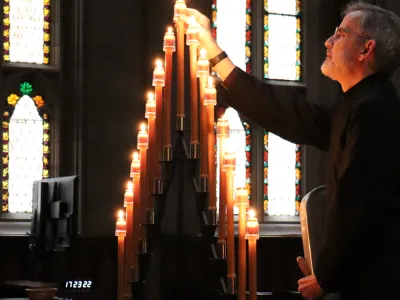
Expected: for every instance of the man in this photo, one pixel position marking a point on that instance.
(359, 255)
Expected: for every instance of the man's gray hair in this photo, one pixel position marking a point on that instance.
(383, 26)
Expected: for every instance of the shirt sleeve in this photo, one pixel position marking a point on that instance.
(281, 110)
(351, 222)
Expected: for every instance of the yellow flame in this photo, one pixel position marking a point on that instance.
(129, 185)
(150, 96)
(121, 214)
(210, 81)
(252, 213)
(192, 21)
(203, 52)
(158, 63)
(169, 30)
(143, 127)
(135, 155)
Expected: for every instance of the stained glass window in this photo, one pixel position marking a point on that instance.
(240, 143)
(231, 25)
(26, 31)
(281, 176)
(282, 37)
(26, 152)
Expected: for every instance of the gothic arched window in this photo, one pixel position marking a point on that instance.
(25, 153)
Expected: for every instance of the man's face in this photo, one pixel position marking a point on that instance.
(343, 49)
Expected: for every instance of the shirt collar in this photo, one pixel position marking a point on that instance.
(365, 85)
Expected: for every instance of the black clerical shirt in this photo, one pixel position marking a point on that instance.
(359, 254)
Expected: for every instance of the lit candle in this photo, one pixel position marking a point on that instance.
(129, 253)
(120, 232)
(151, 108)
(169, 48)
(222, 134)
(179, 6)
(252, 235)
(192, 39)
(242, 202)
(229, 165)
(210, 99)
(120, 226)
(128, 195)
(158, 82)
(142, 144)
(135, 164)
(203, 72)
(143, 138)
(135, 171)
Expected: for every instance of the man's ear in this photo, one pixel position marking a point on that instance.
(368, 49)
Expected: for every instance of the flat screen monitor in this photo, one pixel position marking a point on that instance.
(55, 214)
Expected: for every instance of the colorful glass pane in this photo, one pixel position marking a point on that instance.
(26, 137)
(281, 176)
(282, 38)
(26, 31)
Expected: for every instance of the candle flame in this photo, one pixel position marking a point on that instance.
(135, 155)
(203, 52)
(158, 63)
(150, 96)
(252, 213)
(210, 81)
(143, 127)
(121, 214)
(192, 21)
(229, 146)
(169, 30)
(129, 185)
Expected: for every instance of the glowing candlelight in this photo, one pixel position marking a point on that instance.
(252, 235)
(210, 93)
(150, 106)
(192, 39)
(159, 74)
(156, 150)
(192, 35)
(135, 165)
(128, 195)
(169, 40)
(120, 227)
(120, 232)
(180, 5)
(203, 66)
(143, 137)
(169, 48)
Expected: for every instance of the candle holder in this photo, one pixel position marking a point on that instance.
(232, 284)
(194, 150)
(180, 123)
(222, 251)
(150, 217)
(158, 186)
(212, 216)
(203, 184)
(167, 153)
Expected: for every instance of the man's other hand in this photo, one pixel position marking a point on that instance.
(309, 288)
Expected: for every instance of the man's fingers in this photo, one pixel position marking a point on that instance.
(193, 12)
(303, 266)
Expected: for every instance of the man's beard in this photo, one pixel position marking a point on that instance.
(341, 67)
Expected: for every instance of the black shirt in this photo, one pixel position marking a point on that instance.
(361, 133)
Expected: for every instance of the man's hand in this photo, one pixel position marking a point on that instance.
(309, 288)
(207, 41)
